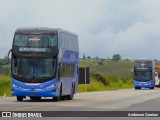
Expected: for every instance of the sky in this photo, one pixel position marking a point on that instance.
(130, 28)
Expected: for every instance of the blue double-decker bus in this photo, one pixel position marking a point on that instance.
(143, 73)
(44, 63)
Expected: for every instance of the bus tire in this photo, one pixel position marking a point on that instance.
(137, 88)
(19, 98)
(58, 98)
(70, 97)
(151, 88)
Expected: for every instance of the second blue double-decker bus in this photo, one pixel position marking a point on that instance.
(44, 63)
(143, 72)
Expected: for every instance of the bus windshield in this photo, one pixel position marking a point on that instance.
(35, 40)
(143, 75)
(33, 70)
(143, 64)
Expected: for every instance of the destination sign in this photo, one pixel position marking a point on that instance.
(34, 39)
(143, 68)
(142, 64)
(26, 49)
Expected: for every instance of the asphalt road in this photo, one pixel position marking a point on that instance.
(116, 100)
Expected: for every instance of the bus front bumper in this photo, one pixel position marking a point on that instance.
(34, 92)
(47, 89)
(147, 84)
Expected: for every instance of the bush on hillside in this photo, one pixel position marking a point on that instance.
(100, 78)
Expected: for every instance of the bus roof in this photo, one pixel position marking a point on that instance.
(143, 60)
(42, 30)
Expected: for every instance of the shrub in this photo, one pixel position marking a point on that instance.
(100, 78)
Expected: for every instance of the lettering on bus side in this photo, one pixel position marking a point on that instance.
(72, 57)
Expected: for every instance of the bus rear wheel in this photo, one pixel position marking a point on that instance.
(70, 97)
(19, 98)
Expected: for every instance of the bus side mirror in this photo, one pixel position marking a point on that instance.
(6, 57)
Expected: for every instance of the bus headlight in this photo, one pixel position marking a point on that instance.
(15, 86)
(51, 86)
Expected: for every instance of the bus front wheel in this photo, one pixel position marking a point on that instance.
(19, 98)
(151, 88)
(58, 98)
(136, 88)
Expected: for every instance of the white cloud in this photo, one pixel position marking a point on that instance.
(105, 27)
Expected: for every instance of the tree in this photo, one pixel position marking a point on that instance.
(84, 57)
(100, 63)
(116, 57)
(1, 63)
(88, 57)
(97, 58)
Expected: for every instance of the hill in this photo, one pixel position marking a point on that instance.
(106, 74)
(107, 67)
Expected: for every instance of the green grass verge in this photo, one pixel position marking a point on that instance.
(5, 85)
(113, 84)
